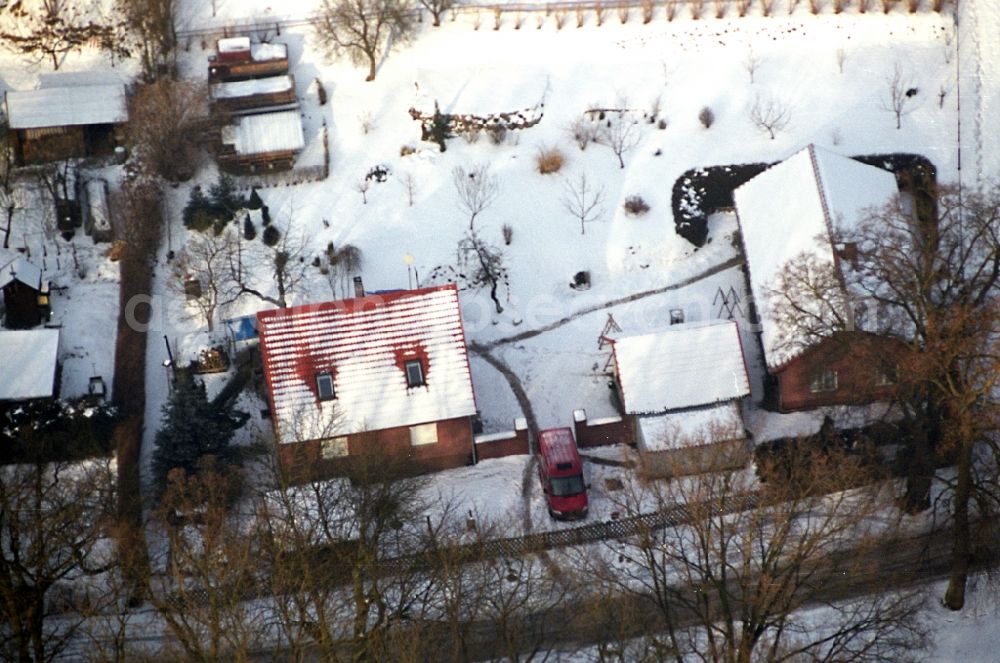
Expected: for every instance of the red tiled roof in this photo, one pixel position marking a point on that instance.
(364, 343)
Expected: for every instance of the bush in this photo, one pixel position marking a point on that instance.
(549, 160)
(271, 236)
(254, 202)
(636, 206)
(706, 117)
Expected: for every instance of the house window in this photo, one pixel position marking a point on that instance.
(414, 373)
(823, 380)
(324, 386)
(335, 447)
(423, 434)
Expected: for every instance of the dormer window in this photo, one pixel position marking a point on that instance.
(414, 373)
(324, 387)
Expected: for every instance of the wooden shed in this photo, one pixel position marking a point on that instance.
(25, 298)
(69, 115)
(237, 59)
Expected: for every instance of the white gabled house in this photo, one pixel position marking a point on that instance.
(683, 388)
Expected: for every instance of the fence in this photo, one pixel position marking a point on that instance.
(602, 432)
(507, 443)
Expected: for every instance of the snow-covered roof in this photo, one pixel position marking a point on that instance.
(233, 44)
(263, 52)
(364, 344)
(683, 366)
(791, 209)
(239, 89)
(68, 99)
(29, 363)
(267, 132)
(15, 267)
(691, 428)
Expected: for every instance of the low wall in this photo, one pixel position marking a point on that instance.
(508, 443)
(602, 432)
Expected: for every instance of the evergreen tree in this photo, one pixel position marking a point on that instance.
(255, 201)
(192, 428)
(249, 231)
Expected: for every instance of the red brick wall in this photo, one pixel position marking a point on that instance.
(854, 360)
(515, 445)
(589, 435)
(302, 461)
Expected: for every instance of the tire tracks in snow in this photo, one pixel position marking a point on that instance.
(593, 308)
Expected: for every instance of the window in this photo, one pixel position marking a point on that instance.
(823, 380)
(414, 373)
(324, 387)
(423, 434)
(335, 447)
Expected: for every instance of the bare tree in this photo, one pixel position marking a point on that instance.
(899, 95)
(52, 526)
(841, 55)
(285, 265)
(769, 114)
(437, 8)
(483, 266)
(583, 130)
(9, 192)
(205, 261)
(339, 265)
(732, 583)
(208, 569)
(363, 30)
(582, 200)
(620, 132)
(362, 186)
(751, 63)
(152, 27)
(49, 29)
(930, 271)
(409, 183)
(165, 119)
(477, 189)
(375, 511)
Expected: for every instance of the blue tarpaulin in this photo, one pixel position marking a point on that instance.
(243, 328)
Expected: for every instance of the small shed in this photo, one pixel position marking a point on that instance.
(237, 59)
(243, 96)
(683, 387)
(262, 143)
(25, 299)
(30, 367)
(98, 212)
(69, 115)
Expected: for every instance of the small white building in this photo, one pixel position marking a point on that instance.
(683, 386)
(29, 367)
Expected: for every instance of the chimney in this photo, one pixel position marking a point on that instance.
(359, 287)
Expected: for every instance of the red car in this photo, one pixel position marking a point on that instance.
(561, 474)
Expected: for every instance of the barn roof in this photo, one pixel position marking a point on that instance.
(29, 364)
(681, 367)
(364, 344)
(15, 267)
(791, 209)
(68, 99)
(267, 132)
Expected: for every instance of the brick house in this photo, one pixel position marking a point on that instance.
(789, 212)
(682, 388)
(386, 373)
